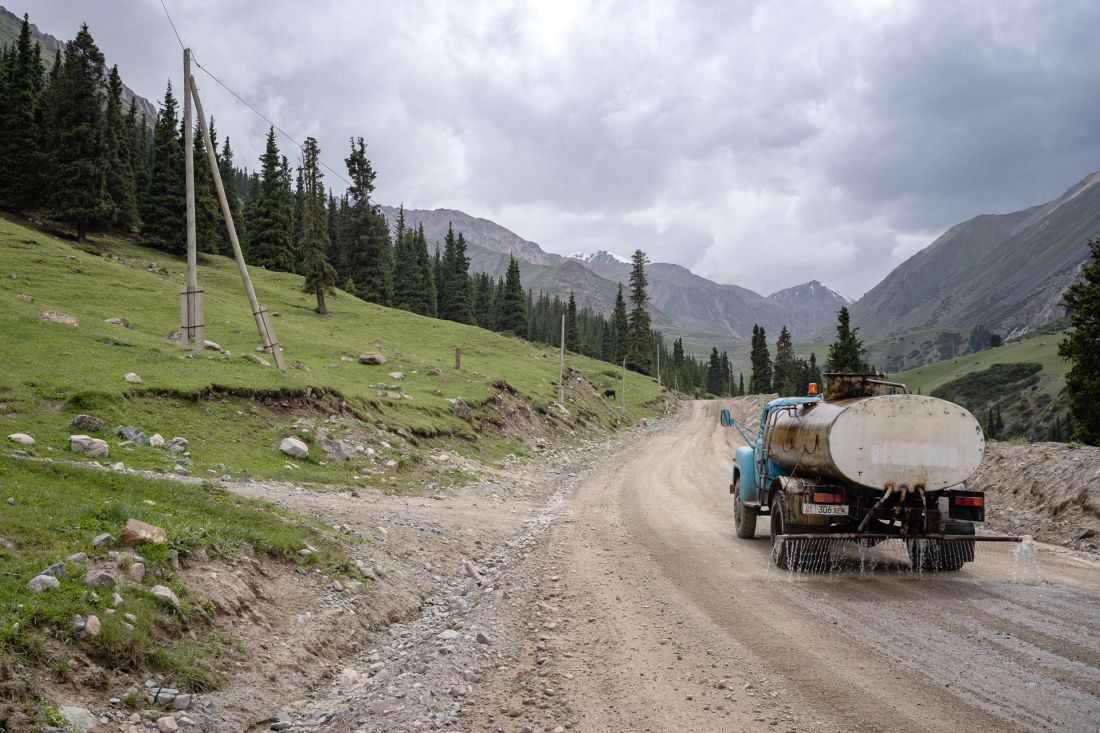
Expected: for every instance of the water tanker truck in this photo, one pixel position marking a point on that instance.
(866, 461)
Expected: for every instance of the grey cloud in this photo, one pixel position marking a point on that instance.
(765, 143)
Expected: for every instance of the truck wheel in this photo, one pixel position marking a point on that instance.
(934, 556)
(744, 517)
(780, 550)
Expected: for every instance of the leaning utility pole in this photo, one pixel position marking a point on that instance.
(260, 313)
(561, 365)
(192, 326)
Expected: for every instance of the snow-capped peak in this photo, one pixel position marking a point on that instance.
(602, 254)
(577, 256)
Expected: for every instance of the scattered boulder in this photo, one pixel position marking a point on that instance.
(299, 365)
(447, 635)
(435, 371)
(164, 595)
(136, 532)
(335, 449)
(80, 720)
(167, 724)
(41, 583)
(257, 359)
(24, 298)
(156, 440)
(460, 408)
(92, 626)
(397, 375)
(57, 570)
(88, 445)
(58, 317)
(137, 572)
(79, 556)
(132, 434)
(21, 438)
(103, 540)
(294, 448)
(116, 321)
(483, 638)
(212, 346)
(87, 423)
(372, 357)
(176, 445)
(99, 579)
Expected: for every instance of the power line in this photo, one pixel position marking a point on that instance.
(242, 100)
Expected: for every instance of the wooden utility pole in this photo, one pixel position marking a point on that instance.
(192, 325)
(624, 386)
(561, 365)
(261, 314)
(658, 365)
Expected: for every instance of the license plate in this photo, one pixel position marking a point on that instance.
(840, 510)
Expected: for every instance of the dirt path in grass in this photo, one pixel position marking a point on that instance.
(610, 593)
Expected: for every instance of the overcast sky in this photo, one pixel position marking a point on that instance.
(759, 143)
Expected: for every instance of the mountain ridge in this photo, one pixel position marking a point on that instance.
(683, 303)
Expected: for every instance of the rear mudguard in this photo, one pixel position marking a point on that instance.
(745, 473)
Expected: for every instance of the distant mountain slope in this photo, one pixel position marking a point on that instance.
(682, 302)
(10, 24)
(1005, 271)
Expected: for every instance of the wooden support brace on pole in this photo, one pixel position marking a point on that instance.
(261, 314)
(192, 319)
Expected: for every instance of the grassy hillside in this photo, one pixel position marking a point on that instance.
(233, 411)
(1029, 398)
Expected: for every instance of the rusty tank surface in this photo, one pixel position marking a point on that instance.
(873, 434)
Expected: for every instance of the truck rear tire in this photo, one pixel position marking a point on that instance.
(934, 556)
(780, 551)
(744, 517)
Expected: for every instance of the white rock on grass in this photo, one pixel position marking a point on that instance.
(132, 378)
(42, 583)
(163, 594)
(21, 438)
(294, 447)
(93, 447)
(156, 440)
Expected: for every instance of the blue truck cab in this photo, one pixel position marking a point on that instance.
(753, 471)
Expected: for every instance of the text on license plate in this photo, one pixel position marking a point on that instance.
(831, 509)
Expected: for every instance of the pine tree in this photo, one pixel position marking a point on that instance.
(620, 328)
(513, 307)
(483, 300)
(269, 223)
(847, 353)
(21, 156)
(408, 291)
(454, 294)
(741, 386)
(572, 338)
(785, 377)
(313, 243)
(760, 381)
(163, 208)
(229, 177)
(727, 374)
(77, 193)
(1082, 304)
(209, 226)
(426, 304)
(715, 377)
(370, 256)
(120, 184)
(814, 373)
(639, 357)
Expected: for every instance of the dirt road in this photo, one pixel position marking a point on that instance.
(654, 616)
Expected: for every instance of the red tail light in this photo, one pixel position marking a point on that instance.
(821, 497)
(969, 501)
